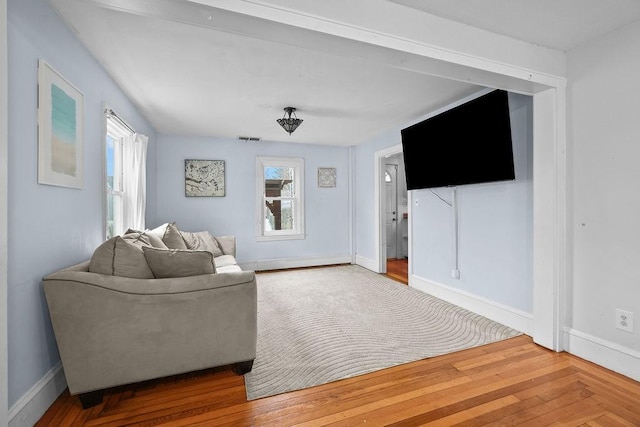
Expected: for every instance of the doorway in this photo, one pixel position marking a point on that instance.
(391, 209)
(395, 205)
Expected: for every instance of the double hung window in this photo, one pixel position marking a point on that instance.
(117, 134)
(126, 153)
(280, 198)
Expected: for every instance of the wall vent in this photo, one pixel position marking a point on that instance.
(249, 138)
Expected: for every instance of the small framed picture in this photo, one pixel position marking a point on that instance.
(326, 177)
(60, 137)
(204, 178)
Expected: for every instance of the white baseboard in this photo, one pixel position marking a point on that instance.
(508, 316)
(367, 263)
(610, 355)
(282, 263)
(34, 403)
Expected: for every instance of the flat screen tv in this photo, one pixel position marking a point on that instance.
(468, 144)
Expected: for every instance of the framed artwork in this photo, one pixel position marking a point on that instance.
(60, 132)
(326, 177)
(203, 178)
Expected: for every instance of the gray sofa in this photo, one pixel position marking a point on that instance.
(113, 330)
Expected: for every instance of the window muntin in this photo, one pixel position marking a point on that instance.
(280, 212)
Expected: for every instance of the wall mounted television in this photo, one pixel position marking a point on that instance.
(468, 144)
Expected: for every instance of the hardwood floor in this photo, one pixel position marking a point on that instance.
(397, 269)
(509, 383)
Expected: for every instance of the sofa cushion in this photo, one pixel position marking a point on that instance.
(201, 241)
(117, 257)
(159, 230)
(166, 263)
(228, 269)
(172, 237)
(140, 239)
(224, 260)
(155, 241)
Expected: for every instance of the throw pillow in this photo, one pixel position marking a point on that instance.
(201, 241)
(117, 257)
(165, 263)
(145, 238)
(136, 238)
(159, 230)
(172, 237)
(156, 241)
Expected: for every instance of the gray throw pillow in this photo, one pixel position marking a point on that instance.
(156, 241)
(201, 241)
(136, 238)
(172, 237)
(118, 257)
(165, 263)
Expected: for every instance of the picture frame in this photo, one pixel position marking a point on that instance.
(326, 177)
(60, 129)
(204, 178)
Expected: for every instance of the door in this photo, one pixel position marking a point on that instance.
(391, 194)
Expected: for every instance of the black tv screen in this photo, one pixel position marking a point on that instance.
(468, 144)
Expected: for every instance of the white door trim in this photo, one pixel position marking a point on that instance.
(4, 210)
(550, 252)
(379, 202)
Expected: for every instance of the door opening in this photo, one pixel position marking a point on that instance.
(391, 208)
(394, 205)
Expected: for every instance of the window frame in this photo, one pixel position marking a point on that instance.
(118, 131)
(298, 232)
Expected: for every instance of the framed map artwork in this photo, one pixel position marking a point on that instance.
(204, 178)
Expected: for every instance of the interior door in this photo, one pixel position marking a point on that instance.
(391, 189)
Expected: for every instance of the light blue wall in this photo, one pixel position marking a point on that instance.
(495, 222)
(50, 227)
(327, 209)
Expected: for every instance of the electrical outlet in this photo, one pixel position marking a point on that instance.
(624, 320)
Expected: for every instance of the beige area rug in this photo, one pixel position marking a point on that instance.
(325, 324)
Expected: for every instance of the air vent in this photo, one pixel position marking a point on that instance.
(249, 138)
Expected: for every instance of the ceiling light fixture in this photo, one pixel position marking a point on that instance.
(287, 122)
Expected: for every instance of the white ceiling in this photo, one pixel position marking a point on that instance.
(557, 24)
(233, 75)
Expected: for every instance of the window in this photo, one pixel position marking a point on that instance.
(125, 166)
(117, 133)
(280, 198)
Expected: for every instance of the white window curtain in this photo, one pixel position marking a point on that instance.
(134, 177)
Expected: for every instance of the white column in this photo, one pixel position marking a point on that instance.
(4, 124)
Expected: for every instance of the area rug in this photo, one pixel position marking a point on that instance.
(324, 324)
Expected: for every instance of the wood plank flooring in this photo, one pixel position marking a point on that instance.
(509, 383)
(397, 269)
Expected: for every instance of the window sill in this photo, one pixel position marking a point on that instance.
(280, 237)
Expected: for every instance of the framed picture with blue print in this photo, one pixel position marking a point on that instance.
(60, 129)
